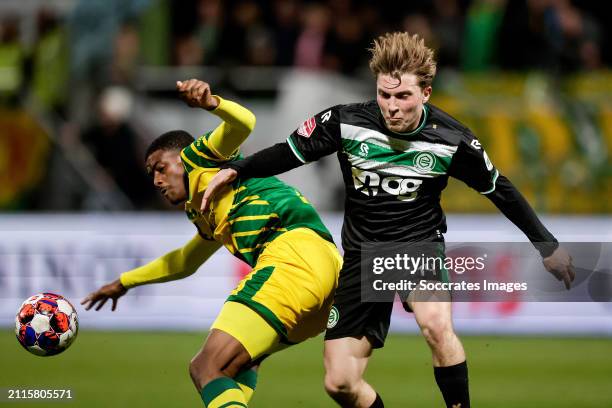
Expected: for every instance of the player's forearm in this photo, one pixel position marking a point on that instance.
(238, 123)
(274, 160)
(514, 206)
(176, 264)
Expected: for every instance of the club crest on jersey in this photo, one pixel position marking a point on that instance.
(333, 318)
(307, 127)
(424, 162)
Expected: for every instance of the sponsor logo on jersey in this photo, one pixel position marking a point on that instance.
(364, 150)
(325, 117)
(476, 144)
(369, 183)
(424, 162)
(333, 318)
(307, 127)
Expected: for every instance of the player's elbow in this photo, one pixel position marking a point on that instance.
(249, 121)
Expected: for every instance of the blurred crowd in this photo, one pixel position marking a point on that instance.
(333, 34)
(105, 41)
(77, 65)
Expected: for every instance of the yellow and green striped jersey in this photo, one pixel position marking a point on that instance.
(246, 216)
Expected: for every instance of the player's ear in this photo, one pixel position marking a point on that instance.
(426, 93)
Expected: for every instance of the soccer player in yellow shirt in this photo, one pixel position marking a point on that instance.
(287, 296)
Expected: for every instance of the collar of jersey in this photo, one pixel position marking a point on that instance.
(418, 129)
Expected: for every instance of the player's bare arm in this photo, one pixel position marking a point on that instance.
(113, 291)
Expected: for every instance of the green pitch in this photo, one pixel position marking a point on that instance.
(149, 369)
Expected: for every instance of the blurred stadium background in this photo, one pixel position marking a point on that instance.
(86, 85)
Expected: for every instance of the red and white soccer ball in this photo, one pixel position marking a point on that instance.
(46, 324)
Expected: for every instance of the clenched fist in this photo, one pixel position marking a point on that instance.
(197, 94)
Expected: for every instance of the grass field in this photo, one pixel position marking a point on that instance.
(149, 369)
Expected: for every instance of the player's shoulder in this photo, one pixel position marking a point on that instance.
(360, 113)
(448, 127)
(199, 154)
(358, 108)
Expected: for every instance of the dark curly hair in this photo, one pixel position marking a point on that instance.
(172, 140)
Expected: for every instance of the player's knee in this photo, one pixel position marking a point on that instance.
(339, 383)
(437, 330)
(202, 370)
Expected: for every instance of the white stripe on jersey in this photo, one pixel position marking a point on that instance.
(360, 134)
(393, 169)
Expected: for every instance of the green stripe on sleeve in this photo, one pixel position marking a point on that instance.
(296, 151)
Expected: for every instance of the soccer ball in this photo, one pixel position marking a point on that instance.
(46, 324)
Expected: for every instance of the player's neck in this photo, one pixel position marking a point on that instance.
(417, 125)
(417, 122)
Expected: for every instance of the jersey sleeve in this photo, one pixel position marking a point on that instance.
(472, 165)
(238, 123)
(318, 136)
(176, 264)
(199, 155)
(221, 145)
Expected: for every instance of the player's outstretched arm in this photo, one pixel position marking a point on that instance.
(238, 122)
(176, 264)
(266, 163)
(516, 208)
(472, 165)
(316, 137)
(113, 291)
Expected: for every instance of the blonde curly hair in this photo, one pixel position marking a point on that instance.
(400, 53)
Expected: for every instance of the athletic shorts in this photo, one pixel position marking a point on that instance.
(290, 289)
(350, 317)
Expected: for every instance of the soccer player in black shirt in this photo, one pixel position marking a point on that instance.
(396, 154)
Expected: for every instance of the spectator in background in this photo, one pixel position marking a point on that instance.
(552, 35)
(371, 21)
(480, 42)
(286, 29)
(187, 51)
(447, 25)
(310, 46)
(125, 54)
(578, 40)
(246, 39)
(50, 64)
(344, 48)
(12, 59)
(418, 23)
(210, 26)
(115, 145)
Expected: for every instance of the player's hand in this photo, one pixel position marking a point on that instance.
(197, 94)
(220, 180)
(559, 263)
(113, 291)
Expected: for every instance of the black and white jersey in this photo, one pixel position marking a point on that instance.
(394, 180)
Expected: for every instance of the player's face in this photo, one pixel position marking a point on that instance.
(401, 101)
(168, 174)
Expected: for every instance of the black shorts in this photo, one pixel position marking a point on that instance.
(350, 317)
